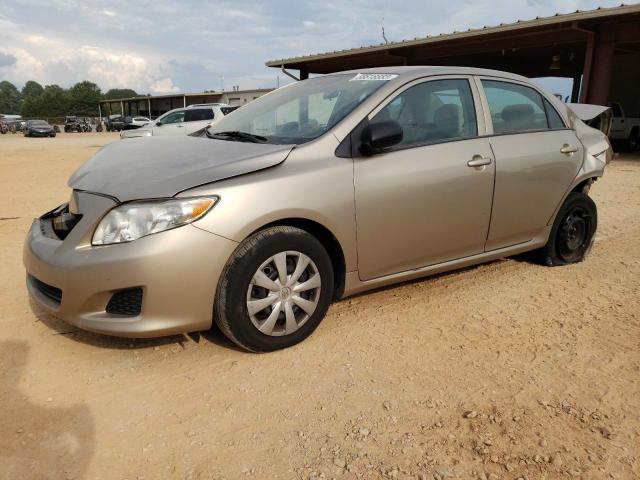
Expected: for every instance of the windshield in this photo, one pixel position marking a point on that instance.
(299, 112)
(37, 122)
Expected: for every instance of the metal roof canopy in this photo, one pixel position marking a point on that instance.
(571, 42)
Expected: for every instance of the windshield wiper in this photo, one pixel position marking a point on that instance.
(238, 136)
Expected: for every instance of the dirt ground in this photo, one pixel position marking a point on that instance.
(504, 371)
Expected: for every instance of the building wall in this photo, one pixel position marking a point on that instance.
(625, 83)
(241, 97)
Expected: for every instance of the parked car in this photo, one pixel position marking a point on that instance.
(139, 121)
(73, 124)
(115, 123)
(4, 127)
(132, 123)
(624, 128)
(38, 128)
(324, 189)
(181, 121)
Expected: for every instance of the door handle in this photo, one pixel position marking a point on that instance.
(179, 126)
(479, 161)
(568, 149)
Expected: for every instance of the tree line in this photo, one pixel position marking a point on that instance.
(34, 100)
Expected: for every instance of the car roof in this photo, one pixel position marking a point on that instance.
(200, 105)
(417, 71)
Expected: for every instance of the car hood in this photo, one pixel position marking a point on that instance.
(156, 167)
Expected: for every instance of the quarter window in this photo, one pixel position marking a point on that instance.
(515, 108)
(433, 112)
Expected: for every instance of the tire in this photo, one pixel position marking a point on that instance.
(237, 289)
(573, 231)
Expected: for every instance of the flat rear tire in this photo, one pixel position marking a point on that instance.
(573, 231)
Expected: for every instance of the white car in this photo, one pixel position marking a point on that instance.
(624, 128)
(139, 121)
(181, 121)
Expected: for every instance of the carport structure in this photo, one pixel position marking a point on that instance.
(599, 49)
(157, 105)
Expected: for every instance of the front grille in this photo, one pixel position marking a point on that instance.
(52, 293)
(126, 302)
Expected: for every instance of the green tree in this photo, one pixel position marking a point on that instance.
(54, 101)
(119, 93)
(31, 107)
(9, 98)
(83, 99)
(31, 89)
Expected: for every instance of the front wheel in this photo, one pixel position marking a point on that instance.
(573, 231)
(275, 289)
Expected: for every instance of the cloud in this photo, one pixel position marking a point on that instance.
(161, 46)
(164, 85)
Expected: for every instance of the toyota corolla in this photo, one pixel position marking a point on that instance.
(319, 190)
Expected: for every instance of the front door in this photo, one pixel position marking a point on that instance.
(171, 124)
(428, 199)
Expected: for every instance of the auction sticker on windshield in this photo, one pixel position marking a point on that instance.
(384, 77)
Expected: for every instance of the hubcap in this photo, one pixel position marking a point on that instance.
(283, 293)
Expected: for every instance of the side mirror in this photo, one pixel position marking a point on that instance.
(380, 135)
(158, 124)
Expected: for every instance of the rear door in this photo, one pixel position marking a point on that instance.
(536, 154)
(428, 199)
(197, 118)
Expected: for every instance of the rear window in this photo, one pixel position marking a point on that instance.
(198, 114)
(514, 108)
(553, 117)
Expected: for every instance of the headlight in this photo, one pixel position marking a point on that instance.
(133, 220)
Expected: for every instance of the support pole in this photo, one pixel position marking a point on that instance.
(575, 90)
(586, 71)
(604, 49)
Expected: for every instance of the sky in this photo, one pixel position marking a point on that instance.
(190, 46)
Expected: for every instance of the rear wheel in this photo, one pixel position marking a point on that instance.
(275, 289)
(573, 231)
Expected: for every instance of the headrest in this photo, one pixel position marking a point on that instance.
(448, 113)
(517, 113)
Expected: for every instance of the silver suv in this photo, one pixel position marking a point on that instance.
(323, 189)
(181, 121)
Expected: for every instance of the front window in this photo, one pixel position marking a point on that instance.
(172, 117)
(300, 112)
(432, 112)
